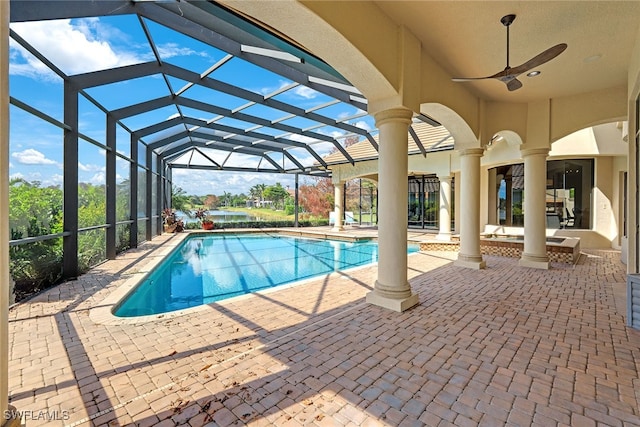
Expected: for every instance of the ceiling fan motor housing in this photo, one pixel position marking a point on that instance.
(507, 20)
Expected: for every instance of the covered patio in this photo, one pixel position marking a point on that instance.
(475, 351)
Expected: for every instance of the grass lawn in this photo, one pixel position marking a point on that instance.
(264, 213)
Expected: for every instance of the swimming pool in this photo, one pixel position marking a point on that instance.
(205, 269)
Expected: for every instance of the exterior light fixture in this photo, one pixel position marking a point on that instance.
(533, 73)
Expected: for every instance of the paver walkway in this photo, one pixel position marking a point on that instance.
(502, 346)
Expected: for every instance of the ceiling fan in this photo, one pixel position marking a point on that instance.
(510, 75)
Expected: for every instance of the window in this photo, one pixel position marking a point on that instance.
(568, 200)
(569, 188)
(511, 195)
(424, 201)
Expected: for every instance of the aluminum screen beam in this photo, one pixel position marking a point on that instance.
(43, 10)
(191, 20)
(70, 184)
(414, 135)
(110, 177)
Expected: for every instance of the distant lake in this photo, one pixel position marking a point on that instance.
(220, 216)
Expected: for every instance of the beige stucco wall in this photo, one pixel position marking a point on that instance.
(618, 168)
(605, 139)
(604, 221)
(633, 87)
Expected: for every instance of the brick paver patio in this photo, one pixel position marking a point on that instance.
(502, 346)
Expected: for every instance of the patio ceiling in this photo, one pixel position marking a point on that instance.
(214, 115)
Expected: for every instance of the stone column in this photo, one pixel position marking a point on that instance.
(338, 209)
(392, 288)
(534, 253)
(444, 221)
(470, 255)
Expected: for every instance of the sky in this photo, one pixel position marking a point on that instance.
(91, 44)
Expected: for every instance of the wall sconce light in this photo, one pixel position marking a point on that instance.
(492, 140)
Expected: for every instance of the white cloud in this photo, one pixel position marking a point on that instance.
(170, 50)
(301, 138)
(32, 157)
(300, 91)
(98, 179)
(265, 90)
(305, 92)
(55, 180)
(72, 47)
(91, 168)
(363, 125)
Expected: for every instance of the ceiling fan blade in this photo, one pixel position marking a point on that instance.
(540, 59)
(514, 84)
(467, 79)
(505, 75)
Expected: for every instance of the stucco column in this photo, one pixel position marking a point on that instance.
(470, 255)
(392, 288)
(337, 205)
(535, 217)
(444, 220)
(4, 214)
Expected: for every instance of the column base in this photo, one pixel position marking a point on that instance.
(10, 418)
(473, 262)
(444, 237)
(397, 305)
(534, 261)
(337, 229)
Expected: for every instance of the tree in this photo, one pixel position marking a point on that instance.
(196, 200)
(317, 198)
(34, 211)
(226, 199)
(179, 198)
(211, 201)
(257, 191)
(276, 193)
(28, 201)
(239, 199)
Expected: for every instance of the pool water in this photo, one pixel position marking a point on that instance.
(206, 269)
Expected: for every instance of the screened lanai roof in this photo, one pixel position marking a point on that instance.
(423, 138)
(245, 100)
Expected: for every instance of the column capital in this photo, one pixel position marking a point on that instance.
(471, 152)
(535, 152)
(397, 114)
